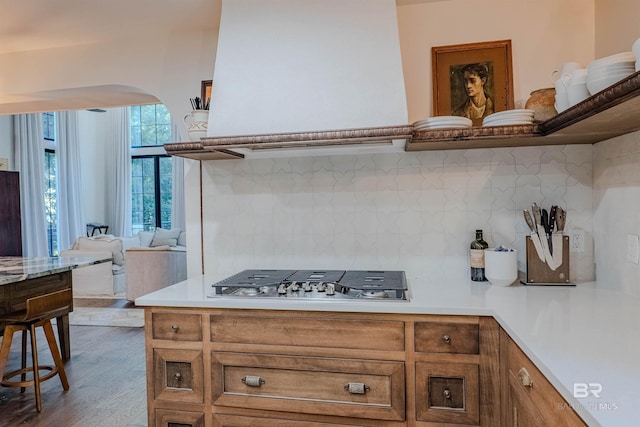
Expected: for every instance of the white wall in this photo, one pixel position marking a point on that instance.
(616, 26)
(544, 34)
(616, 164)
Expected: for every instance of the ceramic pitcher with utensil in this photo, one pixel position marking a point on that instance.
(197, 123)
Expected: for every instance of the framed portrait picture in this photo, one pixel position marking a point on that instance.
(472, 80)
(205, 92)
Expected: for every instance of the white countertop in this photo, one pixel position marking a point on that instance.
(578, 334)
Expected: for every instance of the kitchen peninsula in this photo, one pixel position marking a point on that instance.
(22, 278)
(582, 339)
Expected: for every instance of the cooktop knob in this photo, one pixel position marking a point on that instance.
(331, 289)
(294, 286)
(321, 287)
(282, 289)
(307, 287)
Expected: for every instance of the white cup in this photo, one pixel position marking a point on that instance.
(635, 48)
(577, 93)
(501, 267)
(561, 97)
(566, 68)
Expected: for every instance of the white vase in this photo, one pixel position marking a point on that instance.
(196, 123)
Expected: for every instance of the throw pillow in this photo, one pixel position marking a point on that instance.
(164, 237)
(146, 237)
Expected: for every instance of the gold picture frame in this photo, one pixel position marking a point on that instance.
(205, 92)
(455, 68)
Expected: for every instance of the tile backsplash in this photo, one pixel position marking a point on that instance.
(411, 211)
(616, 189)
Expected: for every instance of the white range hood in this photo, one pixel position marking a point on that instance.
(303, 77)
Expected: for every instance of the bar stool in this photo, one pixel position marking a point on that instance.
(38, 312)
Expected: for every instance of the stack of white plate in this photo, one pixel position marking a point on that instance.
(635, 48)
(509, 117)
(606, 71)
(441, 122)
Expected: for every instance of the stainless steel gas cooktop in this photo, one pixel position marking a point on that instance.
(314, 285)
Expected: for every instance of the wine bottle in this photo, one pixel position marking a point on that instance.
(477, 258)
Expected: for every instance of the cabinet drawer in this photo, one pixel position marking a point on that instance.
(447, 392)
(170, 418)
(178, 375)
(242, 421)
(310, 385)
(450, 337)
(177, 326)
(539, 391)
(308, 332)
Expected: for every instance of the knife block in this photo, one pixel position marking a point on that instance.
(539, 273)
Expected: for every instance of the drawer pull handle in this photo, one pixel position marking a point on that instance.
(178, 376)
(357, 388)
(175, 327)
(525, 378)
(446, 339)
(447, 394)
(253, 381)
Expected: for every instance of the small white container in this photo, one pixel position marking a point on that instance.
(501, 267)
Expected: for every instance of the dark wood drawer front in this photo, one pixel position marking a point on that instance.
(438, 337)
(177, 326)
(178, 375)
(341, 387)
(447, 393)
(169, 418)
(306, 332)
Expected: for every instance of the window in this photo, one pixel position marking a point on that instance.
(50, 182)
(151, 168)
(151, 178)
(150, 125)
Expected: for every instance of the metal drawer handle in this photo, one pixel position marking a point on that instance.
(447, 394)
(357, 388)
(525, 378)
(178, 376)
(446, 339)
(175, 327)
(253, 381)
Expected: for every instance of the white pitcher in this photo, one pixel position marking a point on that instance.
(196, 123)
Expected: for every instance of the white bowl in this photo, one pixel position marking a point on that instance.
(635, 48)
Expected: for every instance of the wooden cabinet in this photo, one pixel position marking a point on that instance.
(528, 397)
(10, 220)
(241, 368)
(457, 371)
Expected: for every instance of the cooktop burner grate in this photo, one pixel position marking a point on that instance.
(314, 284)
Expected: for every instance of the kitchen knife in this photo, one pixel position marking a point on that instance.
(529, 220)
(537, 216)
(561, 218)
(534, 234)
(552, 217)
(547, 228)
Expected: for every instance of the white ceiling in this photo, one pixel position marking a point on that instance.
(43, 24)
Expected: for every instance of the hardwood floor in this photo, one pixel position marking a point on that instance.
(106, 375)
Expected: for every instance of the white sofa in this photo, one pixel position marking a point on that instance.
(158, 260)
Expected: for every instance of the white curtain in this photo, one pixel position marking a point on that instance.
(118, 160)
(71, 223)
(29, 159)
(177, 187)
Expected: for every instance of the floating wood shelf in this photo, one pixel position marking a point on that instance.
(612, 112)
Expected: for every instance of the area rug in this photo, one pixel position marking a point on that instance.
(100, 316)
